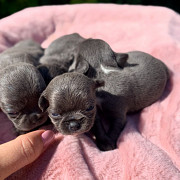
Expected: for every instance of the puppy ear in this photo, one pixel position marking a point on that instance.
(121, 59)
(49, 71)
(43, 102)
(79, 65)
(99, 83)
(43, 70)
(82, 66)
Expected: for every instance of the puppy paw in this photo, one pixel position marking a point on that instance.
(106, 146)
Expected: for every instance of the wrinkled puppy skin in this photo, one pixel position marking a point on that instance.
(139, 84)
(98, 54)
(21, 86)
(70, 101)
(61, 50)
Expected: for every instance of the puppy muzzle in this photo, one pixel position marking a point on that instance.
(74, 122)
(74, 126)
(29, 122)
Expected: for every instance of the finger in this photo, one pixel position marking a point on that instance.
(23, 150)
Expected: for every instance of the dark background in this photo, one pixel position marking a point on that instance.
(8, 7)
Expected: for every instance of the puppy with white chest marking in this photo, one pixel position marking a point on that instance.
(98, 54)
(137, 84)
(21, 85)
(70, 101)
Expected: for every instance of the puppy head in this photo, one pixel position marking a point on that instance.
(20, 87)
(62, 50)
(13, 57)
(64, 45)
(96, 52)
(71, 102)
(26, 46)
(28, 43)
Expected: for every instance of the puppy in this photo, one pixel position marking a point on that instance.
(61, 50)
(59, 56)
(21, 85)
(137, 85)
(70, 101)
(26, 51)
(16, 57)
(27, 46)
(98, 53)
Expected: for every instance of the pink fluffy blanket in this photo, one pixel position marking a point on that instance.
(149, 146)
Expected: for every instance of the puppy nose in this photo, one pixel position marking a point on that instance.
(35, 117)
(74, 126)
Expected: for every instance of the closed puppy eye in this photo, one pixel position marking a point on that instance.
(13, 114)
(90, 108)
(55, 115)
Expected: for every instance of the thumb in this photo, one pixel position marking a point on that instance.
(23, 150)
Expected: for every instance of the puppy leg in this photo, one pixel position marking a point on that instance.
(117, 123)
(103, 141)
(114, 110)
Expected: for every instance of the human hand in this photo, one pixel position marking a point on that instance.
(23, 150)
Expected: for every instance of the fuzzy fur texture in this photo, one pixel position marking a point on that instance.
(148, 147)
(26, 51)
(137, 85)
(21, 85)
(70, 100)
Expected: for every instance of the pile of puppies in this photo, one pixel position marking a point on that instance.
(79, 84)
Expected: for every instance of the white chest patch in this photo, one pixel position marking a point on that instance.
(107, 70)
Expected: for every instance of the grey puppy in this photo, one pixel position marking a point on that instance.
(70, 100)
(59, 56)
(21, 85)
(27, 46)
(16, 57)
(137, 85)
(61, 50)
(26, 51)
(93, 49)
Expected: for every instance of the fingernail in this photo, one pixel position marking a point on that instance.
(47, 137)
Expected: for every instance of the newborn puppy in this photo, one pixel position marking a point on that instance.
(21, 86)
(61, 50)
(27, 46)
(58, 56)
(98, 54)
(70, 101)
(26, 51)
(7, 59)
(139, 84)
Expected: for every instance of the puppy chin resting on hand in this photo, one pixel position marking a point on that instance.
(21, 85)
(70, 100)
